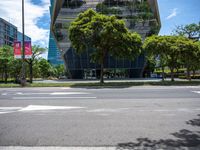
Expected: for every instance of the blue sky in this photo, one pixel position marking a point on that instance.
(178, 12)
(37, 20)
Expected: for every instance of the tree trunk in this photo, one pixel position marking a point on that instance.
(188, 74)
(6, 73)
(193, 72)
(31, 72)
(172, 74)
(101, 77)
(163, 73)
(102, 66)
(2, 71)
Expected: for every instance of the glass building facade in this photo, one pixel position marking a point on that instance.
(20, 37)
(54, 54)
(8, 33)
(141, 16)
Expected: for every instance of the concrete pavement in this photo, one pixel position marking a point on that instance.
(123, 118)
(106, 80)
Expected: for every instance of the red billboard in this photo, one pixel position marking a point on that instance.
(28, 49)
(18, 49)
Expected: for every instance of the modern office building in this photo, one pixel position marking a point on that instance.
(20, 37)
(54, 54)
(8, 33)
(141, 16)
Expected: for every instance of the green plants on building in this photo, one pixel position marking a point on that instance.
(104, 9)
(73, 4)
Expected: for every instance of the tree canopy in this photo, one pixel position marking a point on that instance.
(6, 57)
(173, 51)
(106, 35)
(36, 52)
(191, 31)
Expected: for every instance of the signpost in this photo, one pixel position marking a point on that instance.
(23, 77)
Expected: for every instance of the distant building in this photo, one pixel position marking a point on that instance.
(8, 33)
(54, 54)
(19, 37)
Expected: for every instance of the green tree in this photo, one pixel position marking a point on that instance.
(15, 69)
(45, 68)
(36, 68)
(60, 70)
(106, 35)
(166, 49)
(173, 51)
(156, 49)
(6, 57)
(36, 52)
(191, 31)
(190, 54)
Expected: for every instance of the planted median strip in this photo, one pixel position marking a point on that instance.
(107, 84)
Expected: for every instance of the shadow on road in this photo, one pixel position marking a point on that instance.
(194, 122)
(184, 139)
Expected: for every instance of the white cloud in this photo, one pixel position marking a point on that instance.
(10, 10)
(173, 14)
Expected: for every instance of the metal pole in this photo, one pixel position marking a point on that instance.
(23, 77)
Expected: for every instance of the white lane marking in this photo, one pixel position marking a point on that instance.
(65, 88)
(194, 87)
(102, 110)
(5, 110)
(10, 108)
(55, 148)
(67, 93)
(42, 107)
(184, 109)
(198, 92)
(19, 93)
(4, 94)
(54, 97)
(107, 110)
(54, 93)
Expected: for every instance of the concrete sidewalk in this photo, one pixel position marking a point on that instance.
(106, 80)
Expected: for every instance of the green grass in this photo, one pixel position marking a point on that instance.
(108, 84)
(9, 85)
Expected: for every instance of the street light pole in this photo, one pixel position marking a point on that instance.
(23, 77)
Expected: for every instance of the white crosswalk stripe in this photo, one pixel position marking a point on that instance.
(198, 92)
(35, 108)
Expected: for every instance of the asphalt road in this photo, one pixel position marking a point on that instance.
(125, 118)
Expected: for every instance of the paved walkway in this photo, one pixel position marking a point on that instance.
(106, 80)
